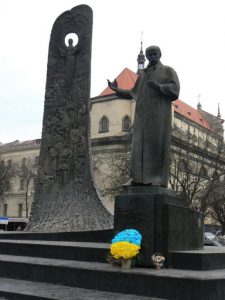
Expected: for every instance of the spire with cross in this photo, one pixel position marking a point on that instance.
(199, 106)
(141, 57)
(218, 114)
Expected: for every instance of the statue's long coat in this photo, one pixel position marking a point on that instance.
(152, 125)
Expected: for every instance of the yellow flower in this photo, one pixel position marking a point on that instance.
(124, 250)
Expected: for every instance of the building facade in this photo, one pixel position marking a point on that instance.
(21, 158)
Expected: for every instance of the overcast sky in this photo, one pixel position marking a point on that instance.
(191, 34)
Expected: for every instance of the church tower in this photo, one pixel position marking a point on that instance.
(140, 60)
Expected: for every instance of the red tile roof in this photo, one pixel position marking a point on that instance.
(190, 113)
(126, 80)
(18, 144)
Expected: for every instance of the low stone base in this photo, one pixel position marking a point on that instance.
(165, 223)
(209, 258)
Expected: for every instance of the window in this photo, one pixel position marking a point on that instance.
(203, 172)
(126, 122)
(182, 165)
(5, 210)
(22, 184)
(104, 124)
(215, 175)
(20, 210)
(9, 164)
(24, 160)
(36, 160)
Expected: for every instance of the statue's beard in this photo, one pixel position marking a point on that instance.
(153, 62)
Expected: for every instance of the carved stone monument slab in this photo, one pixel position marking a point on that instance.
(65, 196)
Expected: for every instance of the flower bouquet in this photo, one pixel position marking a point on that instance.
(158, 260)
(125, 246)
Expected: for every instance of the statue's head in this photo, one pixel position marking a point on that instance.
(153, 54)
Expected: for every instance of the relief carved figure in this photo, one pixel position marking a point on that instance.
(69, 54)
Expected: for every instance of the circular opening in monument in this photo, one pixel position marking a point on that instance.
(73, 37)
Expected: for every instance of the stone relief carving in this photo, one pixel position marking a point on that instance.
(64, 157)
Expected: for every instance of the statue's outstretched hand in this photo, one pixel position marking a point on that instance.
(113, 85)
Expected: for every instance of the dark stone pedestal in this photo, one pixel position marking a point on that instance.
(162, 218)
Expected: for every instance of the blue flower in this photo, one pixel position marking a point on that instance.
(128, 235)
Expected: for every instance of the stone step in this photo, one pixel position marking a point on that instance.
(209, 258)
(83, 251)
(170, 284)
(102, 236)
(24, 290)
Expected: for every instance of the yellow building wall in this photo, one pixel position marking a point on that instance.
(16, 195)
(115, 111)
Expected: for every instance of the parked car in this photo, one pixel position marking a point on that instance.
(219, 233)
(209, 236)
(213, 243)
(221, 239)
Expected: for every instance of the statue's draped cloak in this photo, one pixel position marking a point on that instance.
(152, 125)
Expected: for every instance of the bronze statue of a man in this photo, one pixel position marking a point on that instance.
(155, 89)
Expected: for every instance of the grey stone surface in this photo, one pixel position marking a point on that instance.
(81, 236)
(58, 292)
(58, 243)
(146, 189)
(65, 197)
(164, 225)
(169, 273)
(84, 251)
(166, 283)
(205, 251)
(209, 258)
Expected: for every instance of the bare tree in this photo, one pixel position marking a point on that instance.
(112, 169)
(218, 204)
(197, 169)
(7, 172)
(196, 166)
(27, 173)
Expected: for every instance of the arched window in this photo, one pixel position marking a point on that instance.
(104, 124)
(203, 172)
(126, 123)
(182, 165)
(215, 175)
